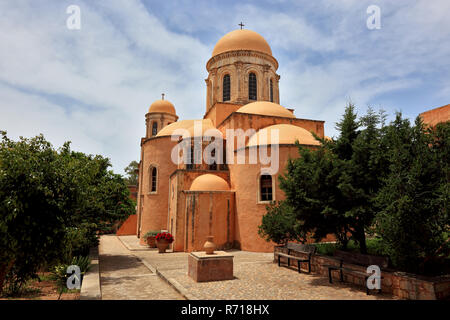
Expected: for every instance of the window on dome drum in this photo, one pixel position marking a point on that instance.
(154, 128)
(226, 88)
(271, 90)
(266, 188)
(153, 179)
(252, 87)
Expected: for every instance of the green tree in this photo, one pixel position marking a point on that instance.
(132, 173)
(52, 203)
(331, 188)
(32, 216)
(360, 174)
(413, 219)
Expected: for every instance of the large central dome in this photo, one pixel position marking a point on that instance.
(242, 40)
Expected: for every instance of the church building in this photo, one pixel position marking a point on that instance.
(224, 199)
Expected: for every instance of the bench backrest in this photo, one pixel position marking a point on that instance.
(301, 247)
(362, 259)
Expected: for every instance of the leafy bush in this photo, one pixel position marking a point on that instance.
(280, 224)
(152, 234)
(79, 240)
(52, 205)
(60, 274)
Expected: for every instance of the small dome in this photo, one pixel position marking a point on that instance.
(209, 182)
(266, 108)
(242, 40)
(163, 106)
(170, 129)
(287, 134)
(206, 125)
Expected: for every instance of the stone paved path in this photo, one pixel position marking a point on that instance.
(124, 276)
(256, 277)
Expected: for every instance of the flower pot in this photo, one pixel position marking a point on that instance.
(151, 242)
(209, 245)
(162, 245)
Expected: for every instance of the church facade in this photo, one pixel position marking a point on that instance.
(225, 196)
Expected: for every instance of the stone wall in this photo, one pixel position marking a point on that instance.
(400, 284)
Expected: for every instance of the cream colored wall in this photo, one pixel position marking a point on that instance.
(209, 213)
(249, 210)
(182, 180)
(154, 212)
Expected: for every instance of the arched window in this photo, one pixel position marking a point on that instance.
(271, 90)
(265, 186)
(226, 88)
(190, 161)
(153, 179)
(154, 128)
(213, 166)
(252, 87)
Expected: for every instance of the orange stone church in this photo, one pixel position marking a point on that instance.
(224, 199)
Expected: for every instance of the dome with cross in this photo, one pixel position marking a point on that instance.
(242, 39)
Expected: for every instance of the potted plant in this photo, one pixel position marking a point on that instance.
(163, 239)
(151, 238)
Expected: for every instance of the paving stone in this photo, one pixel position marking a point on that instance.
(124, 277)
(255, 277)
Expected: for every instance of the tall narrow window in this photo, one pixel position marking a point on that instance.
(226, 87)
(252, 87)
(190, 164)
(271, 90)
(154, 128)
(213, 166)
(266, 188)
(154, 177)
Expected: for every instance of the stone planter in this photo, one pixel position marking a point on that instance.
(162, 245)
(151, 242)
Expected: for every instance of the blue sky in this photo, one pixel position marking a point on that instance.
(93, 86)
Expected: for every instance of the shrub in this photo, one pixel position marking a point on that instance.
(151, 234)
(280, 224)
(60, 274)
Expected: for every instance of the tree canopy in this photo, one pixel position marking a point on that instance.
(388, 181)
(49, 196)
(132, 173)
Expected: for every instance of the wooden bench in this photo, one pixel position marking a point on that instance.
(304, 249)
(343, 257)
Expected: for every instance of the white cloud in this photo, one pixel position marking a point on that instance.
(109, 72)
(94, 86)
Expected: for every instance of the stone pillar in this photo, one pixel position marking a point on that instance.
(240, 82)
(214, 86)
(266, 84)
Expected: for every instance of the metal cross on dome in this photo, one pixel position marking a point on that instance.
(163, 94)
(241, 24)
